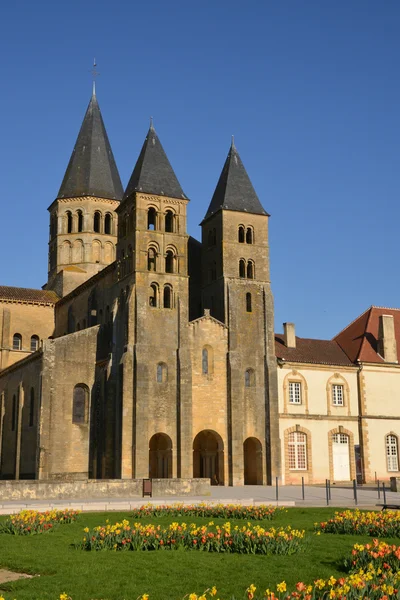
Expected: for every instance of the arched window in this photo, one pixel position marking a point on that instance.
(96, 222)
(249, 378)
(151, 259)
(69, 222)
(17, 341)
(80, 404)
(14, 413)
(392, 455)
(204, 361)
(249, 235)
(34, 343)
(297, 451)
(241, 234)
(108, 224)
(153, 297)
(250, 270)
(151, 218)
(242, 268)
(169, 261)
(162, 373)
(32, 408)
(169, 221)
(248, 302)
(167, 296)
(80, 220)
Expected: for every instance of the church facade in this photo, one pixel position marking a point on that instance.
(150, 354)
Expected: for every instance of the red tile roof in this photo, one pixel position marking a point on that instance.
(326, 352)
(27, 295)
(360, 339)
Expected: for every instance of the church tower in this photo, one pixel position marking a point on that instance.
(237, 290)
(83, 222)
(152, 257)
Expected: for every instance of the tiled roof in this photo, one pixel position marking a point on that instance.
(360, 339)
(326, 352)
(27, 295)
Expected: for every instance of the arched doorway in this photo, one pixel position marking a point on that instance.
(160, 456)
(208, 456)
(252, 454)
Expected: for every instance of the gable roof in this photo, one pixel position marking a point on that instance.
(27, 295)
(326, 352)
(360, 339)
(153, 173)
(234, 189)
(92, 170)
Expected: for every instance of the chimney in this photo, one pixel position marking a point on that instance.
(289, 335)
(387, 346)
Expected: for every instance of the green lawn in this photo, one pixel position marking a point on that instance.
(162, 574)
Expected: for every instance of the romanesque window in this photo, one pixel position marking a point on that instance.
(162, 373)
(204, 361)
(213, 271)
(241, 234)
(169, 221)
(294, 392)
(34, 343)
(69, 222)
(250, 270)
(32, 408)
(170, 262)
(249, 378)
(249, 236)
(297, 451)
(392, 457)
(80, 220)
(151, 259)
(153, 296)
(17, 341)
(248, 302)
(14, 413)
(337, 394)
(167, 300)
(108, 224)
(151, 218)
(242, 268)
(96, 222)
(80, 404)
(212, 237)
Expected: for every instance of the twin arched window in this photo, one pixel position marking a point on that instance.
(167, 296)
(246, 269)
(169, 220)
(80, 402)
(245, 235)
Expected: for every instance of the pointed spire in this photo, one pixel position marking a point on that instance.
(234, 189)
(92, 170)
(153, 173)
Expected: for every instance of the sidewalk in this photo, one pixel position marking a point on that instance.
(314, 496)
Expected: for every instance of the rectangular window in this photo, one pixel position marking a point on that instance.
(337, 395)
(295, 392)
(297, 451)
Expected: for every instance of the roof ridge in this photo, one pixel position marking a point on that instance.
(351, 323)
(384, 307)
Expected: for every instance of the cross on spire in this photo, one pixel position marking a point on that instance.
(94, 75)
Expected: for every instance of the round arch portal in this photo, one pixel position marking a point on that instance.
(252, 454)
(160, 456)
(208, 456)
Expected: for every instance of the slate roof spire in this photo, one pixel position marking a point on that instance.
(153, 173)
(91, 169)
(234, 189)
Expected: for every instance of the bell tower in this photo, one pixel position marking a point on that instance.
(237, 290)
(83, 221)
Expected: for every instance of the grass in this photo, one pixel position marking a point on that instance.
(163, 574)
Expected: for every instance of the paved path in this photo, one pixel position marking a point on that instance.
(249, 494)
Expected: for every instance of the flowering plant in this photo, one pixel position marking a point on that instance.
(28, 522)
(377, 524)
(247, 539)
(378, 555)
(225, 511)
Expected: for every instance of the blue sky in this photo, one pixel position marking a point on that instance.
(310, 89)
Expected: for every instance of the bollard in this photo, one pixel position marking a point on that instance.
(379, 491)
(329, 489)
(276, 490)
(302, 488)
(355, 491)
(384, 493)
(327, 492)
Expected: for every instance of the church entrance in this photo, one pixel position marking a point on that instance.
(252, 454)
(208, 456)
(160, 456)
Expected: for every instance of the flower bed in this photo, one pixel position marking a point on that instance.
(378, 555)
(210, 538)
(225, 511)
(28, 522)
(377, 524)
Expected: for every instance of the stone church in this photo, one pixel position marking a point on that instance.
(151, 354)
